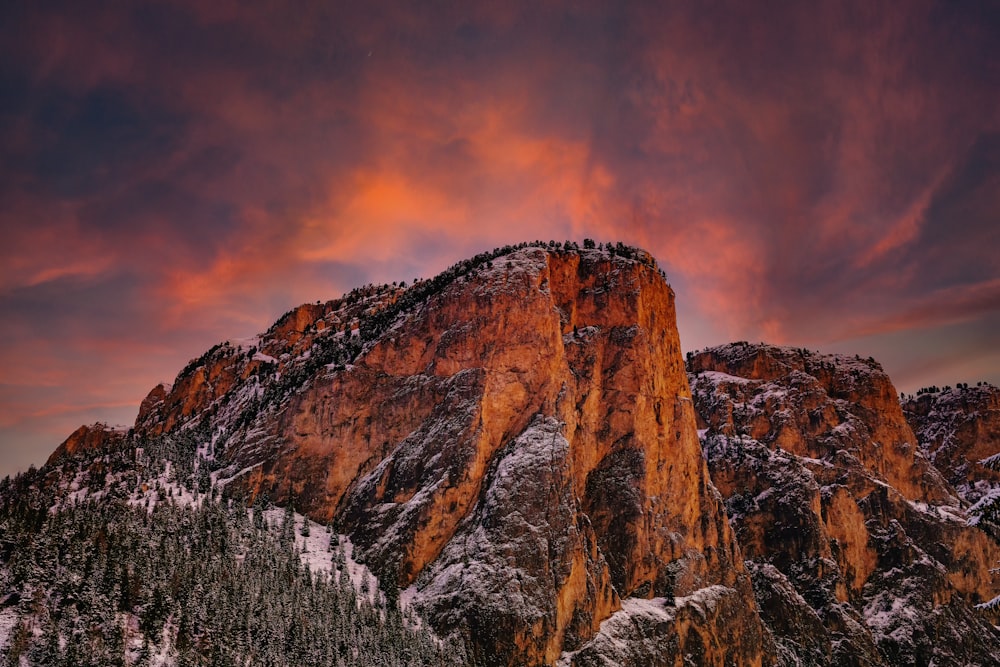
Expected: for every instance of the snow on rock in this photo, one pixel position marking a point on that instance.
(511, 558)
(823, 481)
(624, 636)
(244, 344)
(482, 563)
(659, 631)
(959, 430)
(704, 600)
(8, 620)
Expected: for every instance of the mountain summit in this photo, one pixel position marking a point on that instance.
(513, 446)
(512, 449)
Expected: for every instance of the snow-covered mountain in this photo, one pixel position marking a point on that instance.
(860, 551)
(499, 466)
(958, 429)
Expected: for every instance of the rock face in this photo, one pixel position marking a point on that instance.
(859, 550)
(87, 438)
(958, 429)
(522, 452)
(516, 451)
(513, 448)
(815, 405)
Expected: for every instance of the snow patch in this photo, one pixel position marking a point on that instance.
(8, 621)
(945, 512)
(315, 552)
(615, 639)
(253, 342)
(704, 599)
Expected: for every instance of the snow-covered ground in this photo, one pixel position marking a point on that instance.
(316, 553)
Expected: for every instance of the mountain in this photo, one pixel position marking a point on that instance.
(524, 419)
(959, 430)
(509, 464)
(859, 549)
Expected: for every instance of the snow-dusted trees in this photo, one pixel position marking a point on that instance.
(986, 513)
(112, 582)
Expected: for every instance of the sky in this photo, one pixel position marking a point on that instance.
(178, 173)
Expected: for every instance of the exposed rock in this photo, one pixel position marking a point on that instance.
(512, 448)
(815, 405)
(238, 382)
(515, 444)
(91, 438)
(958, 429)
(859, 549)
(567, 357)
(640, 633)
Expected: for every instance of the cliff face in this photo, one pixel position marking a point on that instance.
(516, 452)
(520, 452)
(513, 448)
(860, 550)
(958, 429)
(87, 439)
(249, 381)
(815, 405)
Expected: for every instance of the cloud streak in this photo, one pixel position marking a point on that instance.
(178, 173)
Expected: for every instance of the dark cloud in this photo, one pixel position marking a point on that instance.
(59, 305)
(96, 141)
(960, 237)
(176, 173)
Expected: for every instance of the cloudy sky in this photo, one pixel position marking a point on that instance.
(173, 174)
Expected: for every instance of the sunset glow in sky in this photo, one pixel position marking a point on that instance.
(177, 173)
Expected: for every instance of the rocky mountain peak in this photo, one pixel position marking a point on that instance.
(88, 438)
(859, 549)
(815, 405)
(528, 422)
(517, 452)
(510, 445)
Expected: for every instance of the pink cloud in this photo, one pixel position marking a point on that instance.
(788, 170)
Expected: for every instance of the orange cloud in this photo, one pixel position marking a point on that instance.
(182, 173)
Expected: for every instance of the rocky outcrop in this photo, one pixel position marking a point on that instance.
(242, 381)
(958, 429)
(520, 452)
(860, 551)
(815, 405)
(512, 446)
(88, 439)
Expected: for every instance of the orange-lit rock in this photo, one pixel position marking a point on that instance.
(861, 549)
(402, 449)
(815, 405)
(92, 438)
(518, 444)
(512, 446)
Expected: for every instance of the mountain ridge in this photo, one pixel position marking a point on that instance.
(518, 451)
(839, 511)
